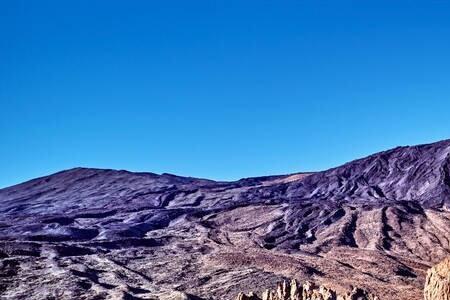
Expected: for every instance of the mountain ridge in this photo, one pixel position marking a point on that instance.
(76, 168)
(377, 222)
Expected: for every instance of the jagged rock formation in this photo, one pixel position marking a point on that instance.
(294, 291)
(437, 283)
(176, 295)
(375, 223)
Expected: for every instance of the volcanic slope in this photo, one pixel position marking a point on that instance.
(377, 223)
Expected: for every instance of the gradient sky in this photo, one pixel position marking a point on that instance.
(217, 89)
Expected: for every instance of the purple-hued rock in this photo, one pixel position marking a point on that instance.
(377, 222)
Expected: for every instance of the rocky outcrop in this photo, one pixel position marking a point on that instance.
(177, 295)
(437, 284)
(308, 291)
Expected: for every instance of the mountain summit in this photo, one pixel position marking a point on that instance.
(419, 173)
(377, 223)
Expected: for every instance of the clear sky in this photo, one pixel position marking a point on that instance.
(217, 89)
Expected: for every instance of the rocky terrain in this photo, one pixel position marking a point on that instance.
(437, 283)
(308, 291)
(377, 223)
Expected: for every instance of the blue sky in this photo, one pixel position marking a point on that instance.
(217, 89)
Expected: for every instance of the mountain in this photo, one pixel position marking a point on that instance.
(377, 223)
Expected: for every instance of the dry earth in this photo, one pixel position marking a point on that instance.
(377, 223)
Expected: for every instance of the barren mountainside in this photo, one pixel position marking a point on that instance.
(377, 223)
